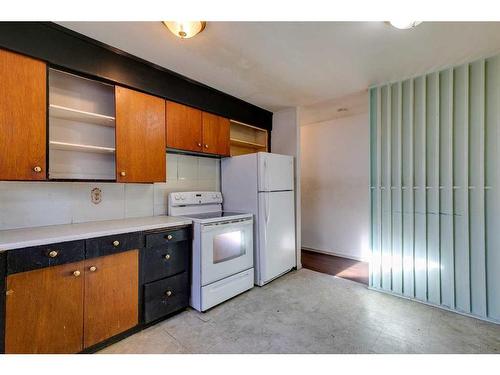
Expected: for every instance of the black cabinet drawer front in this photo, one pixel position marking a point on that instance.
(32, 258)
(166, 237)
(164, 261)
(108, 245)
(165, 296)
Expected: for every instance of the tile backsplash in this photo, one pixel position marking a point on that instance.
(31, 204)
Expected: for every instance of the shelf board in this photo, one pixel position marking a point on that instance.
(242, 143)
(79, 147)
(71, 114)
(247, 125)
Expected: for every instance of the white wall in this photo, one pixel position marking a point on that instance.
(334, 180)
(30, 204)
(285, 139)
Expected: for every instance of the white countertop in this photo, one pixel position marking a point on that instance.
(24, 237)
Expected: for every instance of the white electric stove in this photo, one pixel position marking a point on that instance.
(222, 247)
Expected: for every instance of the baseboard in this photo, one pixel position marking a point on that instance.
(485, 319)
(359, 259)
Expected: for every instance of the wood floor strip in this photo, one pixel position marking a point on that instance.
(337, 266)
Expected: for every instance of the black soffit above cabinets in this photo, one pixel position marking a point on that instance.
(66, 49)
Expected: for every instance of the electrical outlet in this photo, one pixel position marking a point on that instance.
(96, 195)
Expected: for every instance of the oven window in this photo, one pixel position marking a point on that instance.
(228, 246)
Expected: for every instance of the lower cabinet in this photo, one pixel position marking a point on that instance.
(166, 296)
(72, 296)
(165, 273)
(111, 296)
(70, 307)
(44, 310)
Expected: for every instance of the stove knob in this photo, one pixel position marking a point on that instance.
(176, 197)
(183, 197)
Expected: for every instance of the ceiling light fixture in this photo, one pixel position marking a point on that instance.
(185, 29)
(401, 24)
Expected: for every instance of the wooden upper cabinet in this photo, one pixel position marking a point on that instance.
(44, 310)
(140, 137)
(111, 296)
(215, 134)
(193, 130)
(183, 127)
(23, 106)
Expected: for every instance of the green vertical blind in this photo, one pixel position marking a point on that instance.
(435, 189)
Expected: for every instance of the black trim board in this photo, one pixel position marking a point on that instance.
(3, 272)
(66, 49)
(193, 153)
(111, 340)
(123, 335)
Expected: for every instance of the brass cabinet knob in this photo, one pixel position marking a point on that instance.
(167, 257)
(37, 169)
(206, 146)
(168, 293)
(76, 273)
(123, 174)
(116, 243)
(53, 254)
(169, 237)
(199, 144)
(93, 269)
(9, 292)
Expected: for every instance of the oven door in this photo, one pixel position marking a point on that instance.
(226, 249)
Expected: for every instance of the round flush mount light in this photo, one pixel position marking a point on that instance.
(402, 24)
(185, 29)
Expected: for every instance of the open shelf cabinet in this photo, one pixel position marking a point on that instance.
(81, 128)
(247, 139)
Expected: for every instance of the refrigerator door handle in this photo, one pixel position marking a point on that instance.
(266, 208)
(268, 211)
(265, 175)
(266, 214)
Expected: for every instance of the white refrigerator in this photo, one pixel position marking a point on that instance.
(263, 184)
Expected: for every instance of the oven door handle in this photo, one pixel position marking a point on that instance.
(227, 225)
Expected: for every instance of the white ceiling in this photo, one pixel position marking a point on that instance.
(282, 64)
(344, 106)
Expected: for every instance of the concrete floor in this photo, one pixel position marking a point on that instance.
(310, 312)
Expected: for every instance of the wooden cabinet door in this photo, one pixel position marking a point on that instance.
(44, 310)
(111, 296)
(183, 127)
(140, 137)
(215, 134)
(23, 106)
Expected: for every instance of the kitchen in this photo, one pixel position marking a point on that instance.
(154, 202)
(116, 137)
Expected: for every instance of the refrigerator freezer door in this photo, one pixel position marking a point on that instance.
(275, 172)
(276, 235)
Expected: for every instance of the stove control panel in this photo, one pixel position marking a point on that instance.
(193, 198)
